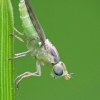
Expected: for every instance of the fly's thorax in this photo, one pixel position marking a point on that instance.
(47, 54)
(44, 57)
(50, 48)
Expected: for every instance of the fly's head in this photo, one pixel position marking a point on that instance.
(60, 70)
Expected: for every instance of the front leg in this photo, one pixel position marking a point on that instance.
(28, 74)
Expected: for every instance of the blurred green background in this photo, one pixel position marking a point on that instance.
(73, 26)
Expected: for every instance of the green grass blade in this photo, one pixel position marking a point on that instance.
(6, 51)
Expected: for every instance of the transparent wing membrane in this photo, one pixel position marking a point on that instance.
(35, 21)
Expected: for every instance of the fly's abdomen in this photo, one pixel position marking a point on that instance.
(26, 21)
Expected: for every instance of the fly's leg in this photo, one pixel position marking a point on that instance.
(23, 53)
(16, 57)
(20, 55)
(28, 74)
(18, 31)
(17, 37)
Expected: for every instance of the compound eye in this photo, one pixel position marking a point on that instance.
(58, 70)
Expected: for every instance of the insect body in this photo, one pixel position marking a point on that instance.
(38, 45)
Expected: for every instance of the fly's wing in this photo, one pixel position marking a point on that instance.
(48, 46)
(35, 22)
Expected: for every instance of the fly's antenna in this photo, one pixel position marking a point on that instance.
(71, 75)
